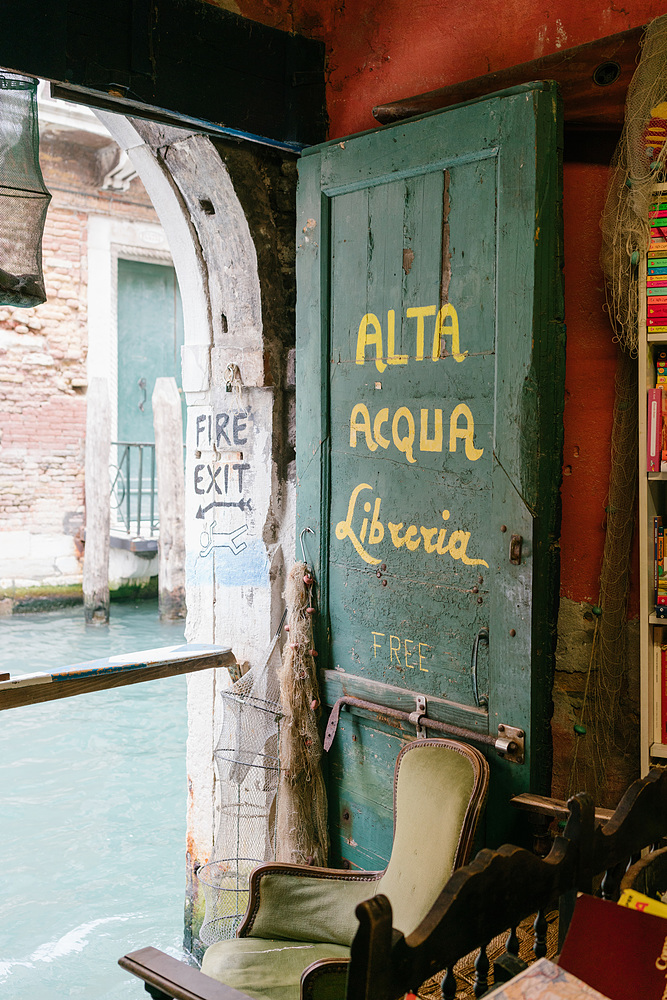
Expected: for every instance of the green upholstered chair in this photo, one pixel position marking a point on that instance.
(296, 934)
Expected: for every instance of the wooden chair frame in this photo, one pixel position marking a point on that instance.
(491, 895)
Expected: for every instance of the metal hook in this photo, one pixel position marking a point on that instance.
(303, 551)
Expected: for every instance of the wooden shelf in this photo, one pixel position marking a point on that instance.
(659, 750)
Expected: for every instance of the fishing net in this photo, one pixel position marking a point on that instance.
(638, 163)
(23, 196)
(605, 721)
(303, 836)
(248, 766)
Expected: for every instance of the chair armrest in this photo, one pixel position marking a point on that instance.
(325, 980)
(165, 976)
(301, 903)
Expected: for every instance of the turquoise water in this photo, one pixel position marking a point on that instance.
(93, 793)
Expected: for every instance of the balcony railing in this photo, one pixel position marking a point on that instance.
(133, 487)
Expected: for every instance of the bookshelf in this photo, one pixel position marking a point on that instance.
(652, 503)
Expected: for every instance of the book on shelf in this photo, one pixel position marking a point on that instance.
(657, 528)
(618, 950)
(658, 683)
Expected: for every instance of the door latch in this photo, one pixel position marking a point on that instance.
(142, 385)
(416, 716)
(511, 744)
(516, 541)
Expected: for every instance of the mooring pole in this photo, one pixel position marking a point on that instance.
(168, 424)
(96, 553)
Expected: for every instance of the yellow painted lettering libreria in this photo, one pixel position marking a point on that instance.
(409, 432)
(364, 529)
(445, 339)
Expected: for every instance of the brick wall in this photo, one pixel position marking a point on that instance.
(43, 374)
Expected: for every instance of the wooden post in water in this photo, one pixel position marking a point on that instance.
(168, 424)
(96, 552)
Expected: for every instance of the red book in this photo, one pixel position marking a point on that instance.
(617, 950)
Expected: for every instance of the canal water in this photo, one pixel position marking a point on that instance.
(93, 794)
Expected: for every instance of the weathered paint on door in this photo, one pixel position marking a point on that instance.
(150, 337)
(430, 363)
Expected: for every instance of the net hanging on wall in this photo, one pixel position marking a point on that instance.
(23, 196)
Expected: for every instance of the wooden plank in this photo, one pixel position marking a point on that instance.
(337, 683)
(176, 979)
(168, 424)
(360, 768)
(111, 672)
(98, 510)
(586, 103)
(247, 78)
(542, 805)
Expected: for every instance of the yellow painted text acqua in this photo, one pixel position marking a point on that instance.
(403, 429)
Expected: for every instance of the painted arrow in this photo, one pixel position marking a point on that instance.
(241, 504)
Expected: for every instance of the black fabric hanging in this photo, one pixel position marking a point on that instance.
(23, 196)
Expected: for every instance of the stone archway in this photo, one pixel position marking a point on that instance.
(231, 602)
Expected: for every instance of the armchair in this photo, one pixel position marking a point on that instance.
(295, 937)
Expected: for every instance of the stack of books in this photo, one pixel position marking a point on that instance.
(659, 567)
(656, 269)
(656, 323)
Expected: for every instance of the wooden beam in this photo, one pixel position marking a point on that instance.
(542, 805)
(168, 424)
(186, 62)
(111, 672)
(582, 72)
(98, 510)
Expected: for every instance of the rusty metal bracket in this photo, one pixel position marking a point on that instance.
(417, 716)
(509, 743)
(516, 544)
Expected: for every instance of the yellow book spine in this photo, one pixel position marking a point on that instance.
(638, 901)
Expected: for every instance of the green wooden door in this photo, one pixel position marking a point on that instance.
(150, 337)
(430, 365)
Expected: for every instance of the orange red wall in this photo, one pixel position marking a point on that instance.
(383, 50)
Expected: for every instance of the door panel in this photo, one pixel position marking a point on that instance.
(430, 360)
